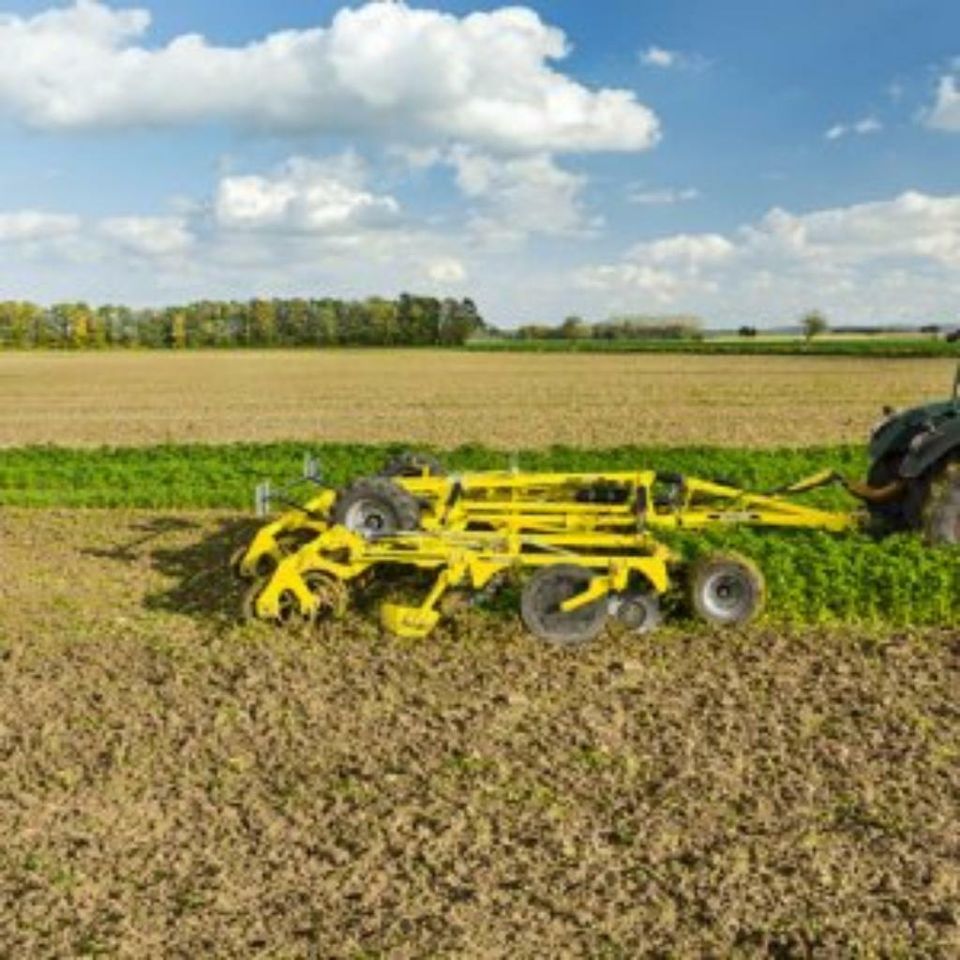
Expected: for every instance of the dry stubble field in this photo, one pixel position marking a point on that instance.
(177, 785)
(451, 398)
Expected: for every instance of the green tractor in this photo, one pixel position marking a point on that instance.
(915, 469)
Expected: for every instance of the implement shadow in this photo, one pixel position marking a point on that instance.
(193, 558)
(203, 587)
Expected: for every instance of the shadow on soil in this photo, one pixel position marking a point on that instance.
(197, 563)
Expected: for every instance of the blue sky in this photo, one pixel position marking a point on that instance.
(744, 161)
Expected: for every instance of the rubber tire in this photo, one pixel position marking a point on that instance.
(703, 575)
(397, 509)
(540, 600)
(648, 607)
(410, 463)
(941, 510)
(904, 513)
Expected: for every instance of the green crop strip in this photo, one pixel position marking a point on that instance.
(812, 577)
(223, 476)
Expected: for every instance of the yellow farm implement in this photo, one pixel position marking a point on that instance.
(587, 541)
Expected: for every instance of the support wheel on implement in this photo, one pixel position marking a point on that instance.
(637, 612)
(543, 596)
(376, 507)
(726, 590)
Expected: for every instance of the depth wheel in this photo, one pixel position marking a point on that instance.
(726, 590)
(941, 511)
(376, 507)
(540, 606)
(637, 613)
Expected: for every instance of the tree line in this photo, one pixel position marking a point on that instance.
(616, 328)
(407, 321)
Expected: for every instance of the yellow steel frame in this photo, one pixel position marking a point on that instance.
(462, 559)
(476, 526)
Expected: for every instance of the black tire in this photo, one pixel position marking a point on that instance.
(904, 511)
(540, 606)
(413, 464)
(638, 613)
(941, 511)
(726, 589)
(376, 507)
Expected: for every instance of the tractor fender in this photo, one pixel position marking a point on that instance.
(932, 448)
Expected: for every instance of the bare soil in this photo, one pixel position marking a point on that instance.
(448, 398)
(175, 785)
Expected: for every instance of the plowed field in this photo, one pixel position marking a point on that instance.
(175, 785)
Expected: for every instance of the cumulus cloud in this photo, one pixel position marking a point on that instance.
(446, 271)
(858, 127)
(148, 236)
(890, 257)
(945, 113)
(380, 69)
(661, 268)
(32, 225)
(520, 196)
(304, 196)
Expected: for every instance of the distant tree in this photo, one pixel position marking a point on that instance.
(79, 320)
(931, 328)
(813, 324)
(575, 328)
(747, 332)
(177, 332)
(263, 322)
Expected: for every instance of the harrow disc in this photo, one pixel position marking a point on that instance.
(288, 614)
(330, 594)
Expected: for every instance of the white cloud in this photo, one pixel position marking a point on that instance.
(663, 59)
(661, 268)
(446, 271)
(520, 196)
(890, 258)
(33, 225)
(382, 69)
(667, 196)
(655, 56)
(945, 113)
(149, 236)
(304, 196)
(859, 127)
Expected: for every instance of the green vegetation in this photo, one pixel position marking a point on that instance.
(223, 476)
(407, 321)
(812, 577)
(879, 346)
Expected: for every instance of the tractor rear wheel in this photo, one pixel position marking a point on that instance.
(726, 589)
(376, 507)
(941, 509)
(542, 597)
